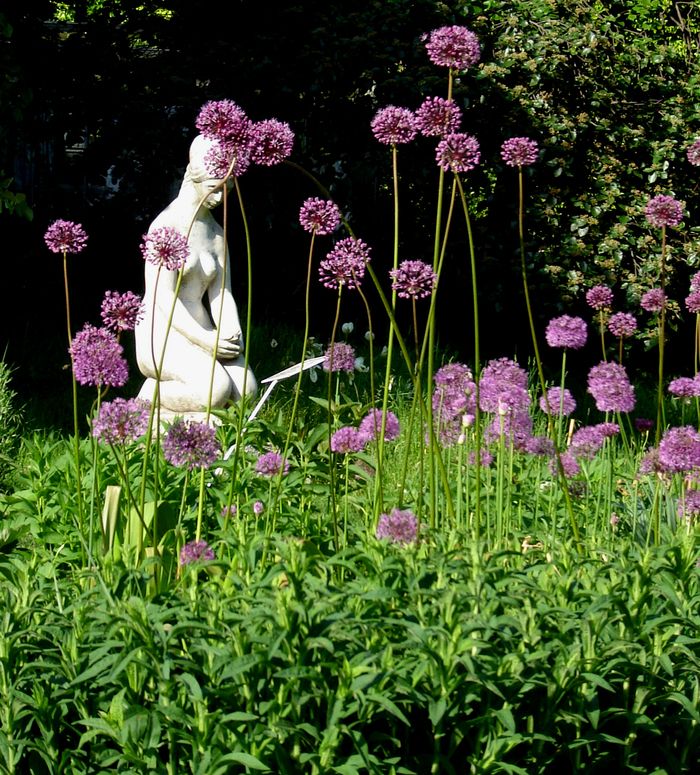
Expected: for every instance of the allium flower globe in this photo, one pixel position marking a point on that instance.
(319, 216)
(692, 302)
(663, 211)
(689, 505)
(437, 117)
(413, 279)
(271, 142)
(685, 387)
(458, 152)
(503, 380)
(610, 387)
(399, 527)
(558, 402)
(454, 401)
(347, 440)
(196, 551)
(566, 332)
(223, 120)
(345, 264)
(98, 358)
(622, 324)
(394, 126)
(653, 300)
(679, 449)
(453, 46)
(121, 311)
(188, 444)
(121, 420)
(65, 237)
(371, 425)
(693, 153)
(223, 159)
(339, 357)
(166, 247)
(599, 297)
(519, 152)
(271, 464)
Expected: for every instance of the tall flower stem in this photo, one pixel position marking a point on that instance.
(660, 413)
(331, 454)
(76, 428)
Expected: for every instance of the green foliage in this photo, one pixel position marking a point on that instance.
(10, 425)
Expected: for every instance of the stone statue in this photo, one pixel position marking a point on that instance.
(187, 365)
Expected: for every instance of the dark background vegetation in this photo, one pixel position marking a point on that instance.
(97, 107)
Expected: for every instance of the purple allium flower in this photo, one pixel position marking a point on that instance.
(610, 387)
(692, 302)
(684, 387)
(371, 425)
(98, 358)
(587, 441)
(695, 282)
(514, 425)
(400, 527)
(229, 511)
(437, 117)
(599, 297)
(689, 505)
(342, 355)
(650, 463)
(542, 446)
(653, 300)
(223, 120)
(453, 400)
(319, 216)
(165, 247)
(394, 126)
(345, 264)
(191, 445)
(663, 210)
(567, 332)
(569, 464)
(271, 142)
(413, 279)
(346, 440)
(258, 507)
(65, 237)
(196, 551)
(458, 152)
(121, 420)
(453, 46)
(679, 449)
(519, 152)
(622, 324)
(643, 424)
(693, 153)
(121, 311)
(270, 464)
(558, 402)
(223, 159)
(503, 380)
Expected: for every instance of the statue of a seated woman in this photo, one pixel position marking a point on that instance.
(186, 371)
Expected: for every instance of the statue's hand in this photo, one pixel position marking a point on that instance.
(229, 347)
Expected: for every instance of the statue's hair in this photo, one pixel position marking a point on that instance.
(196, 171)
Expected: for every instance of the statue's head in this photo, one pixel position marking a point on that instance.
(197, 175)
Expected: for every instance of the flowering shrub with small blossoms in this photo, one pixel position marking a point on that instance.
(65, 237)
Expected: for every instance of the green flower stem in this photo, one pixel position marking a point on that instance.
(660, 412)
(331, 455)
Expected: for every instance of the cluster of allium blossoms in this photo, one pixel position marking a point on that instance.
(98, 358)
(453, 46)
(689, 505)
(339, 357)
(345, 265)
(191, 445)
(503, 384)
(586, 441)
(662, 210)
(438, 117)
(319, 216)
(622, 324)
(558, 402)
(693, 153)
(165, 247)
(196, 551)
(347, 440)
(65, 237)
(685, 387)
(566, 332)
(371, 425)
(458, 152)
(519, 152)
(692, 302)
(679, 450)
(610, 387)
(653, 300)
(271, 141)
(454, 401)
(121, 311)
(121, 420)
(270, 464)
(599, 297)
(223, 120)
(394, 126)
(413, 279)
(399, 527)
(513, 424)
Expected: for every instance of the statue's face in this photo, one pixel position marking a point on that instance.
(213, 190)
